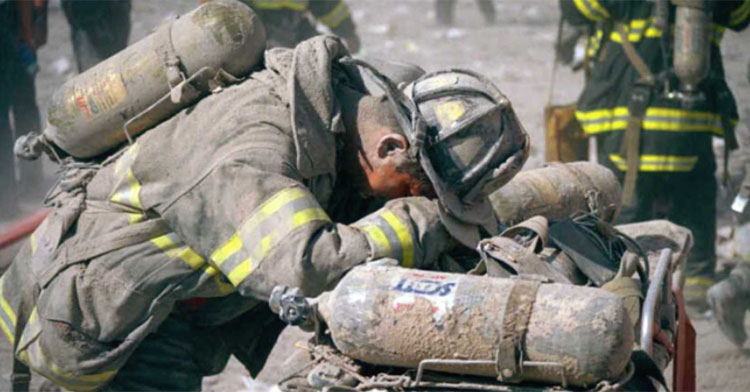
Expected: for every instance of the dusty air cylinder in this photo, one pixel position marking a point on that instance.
(398, 317)
(87, 114)
(692, 42)
(557, 191)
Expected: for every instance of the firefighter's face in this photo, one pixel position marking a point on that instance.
(378, 162)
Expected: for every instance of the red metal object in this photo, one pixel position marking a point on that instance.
(683, 376)
(22, 228)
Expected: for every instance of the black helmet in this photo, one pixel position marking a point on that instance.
(467, 138)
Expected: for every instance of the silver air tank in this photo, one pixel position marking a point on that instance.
(88, 113)
(692, 43)
(394, 316)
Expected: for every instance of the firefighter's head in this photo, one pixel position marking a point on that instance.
(377, 158)
(462, 132)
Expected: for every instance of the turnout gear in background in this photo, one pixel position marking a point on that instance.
(98, 29)
(289, 22)
(730, 300)
(444, 11)
(18, 100)
(189, 229)
(676, 164)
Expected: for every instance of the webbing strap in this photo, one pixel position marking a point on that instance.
(639, 101)
(632, 54)
(20, 378)
(515, 323)
(126, 236)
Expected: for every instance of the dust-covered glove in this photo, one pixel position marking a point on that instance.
(408, 230)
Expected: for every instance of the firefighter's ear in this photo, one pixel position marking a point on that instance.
(392, 145)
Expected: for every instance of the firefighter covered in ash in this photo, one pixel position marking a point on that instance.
(98, 29)
(289, 22)
(730, 298)
(160, 262)
(23, 29)
(658, 144)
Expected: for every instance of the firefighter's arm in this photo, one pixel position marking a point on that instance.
(580, 12)
(739, 14)
(336, 15)
(306, 249)
(255, 220)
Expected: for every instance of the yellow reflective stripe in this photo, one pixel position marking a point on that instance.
(601, 113)
(33, 356)
(7, 331)
(656, 119)
(129, 193)
(308, 215)
(658, 163)
(699, 281)
(270, 206)
(182, 252)
(300, 218)
(228, 249)
(382, 247)
(32, 243)
(289, 209)
(135, 218)
(8, 318)
(404, 236)
(5, 305)
(740, 14)
(591, 9)
(274, 204)
(280, 4)
(680, 127)
(240, 272)
(334, 18)
(223, 287)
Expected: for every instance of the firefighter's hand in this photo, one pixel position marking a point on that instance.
(409, 230)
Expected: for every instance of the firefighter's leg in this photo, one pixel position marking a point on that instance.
(8, 196)
(444, 11)
(487, 7)
(174, 358)
(694, 197)
(26, 119)
(729, 300)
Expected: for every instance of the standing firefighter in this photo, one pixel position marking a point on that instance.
(659, 141)
(98, 29)
(289, 22)
(730, 298)
(23, 29)
(159, 261)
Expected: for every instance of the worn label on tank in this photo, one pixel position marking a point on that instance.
(104, 94)
(439, 290)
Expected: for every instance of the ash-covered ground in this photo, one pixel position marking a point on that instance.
(516, 53)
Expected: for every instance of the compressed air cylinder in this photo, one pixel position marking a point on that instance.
(557, 191)
(692, 42)
(87, 114)
(399, 317)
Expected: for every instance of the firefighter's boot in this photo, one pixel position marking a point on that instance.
(729, 300)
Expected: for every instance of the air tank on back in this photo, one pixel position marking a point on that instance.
(399, 317)
(556, 191)
(692, 42)
(87, 114)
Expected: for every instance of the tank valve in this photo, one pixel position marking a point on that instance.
(292, 306)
